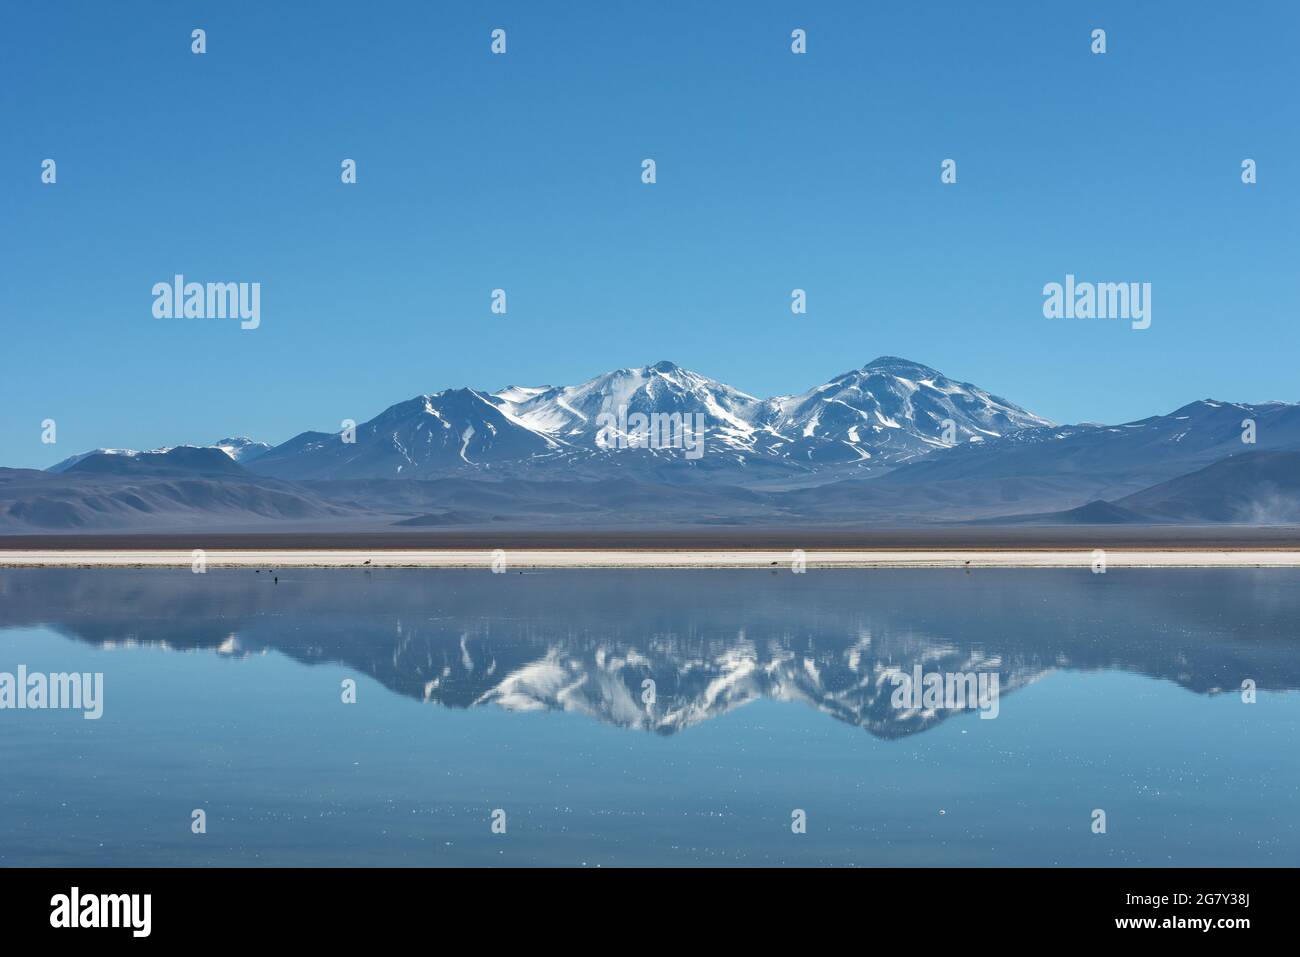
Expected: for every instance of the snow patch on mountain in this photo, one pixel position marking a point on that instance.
(240, 449)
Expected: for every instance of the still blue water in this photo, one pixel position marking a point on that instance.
(525, 694)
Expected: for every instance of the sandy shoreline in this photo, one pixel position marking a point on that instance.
(648, 558)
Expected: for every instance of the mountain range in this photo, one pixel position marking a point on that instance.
(893, 442)
(887, 412)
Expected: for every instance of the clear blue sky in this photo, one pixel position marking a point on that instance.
(523, 171)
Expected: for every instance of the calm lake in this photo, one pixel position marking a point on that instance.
(606, 718)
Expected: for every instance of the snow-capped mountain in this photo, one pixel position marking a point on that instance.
(239, 448)
(242, 449)
(572, 414)
(65, 464)
(891, 409)
(894, 441)
(437, 434)
(887, 412)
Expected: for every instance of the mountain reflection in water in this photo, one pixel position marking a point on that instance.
(710, 641)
